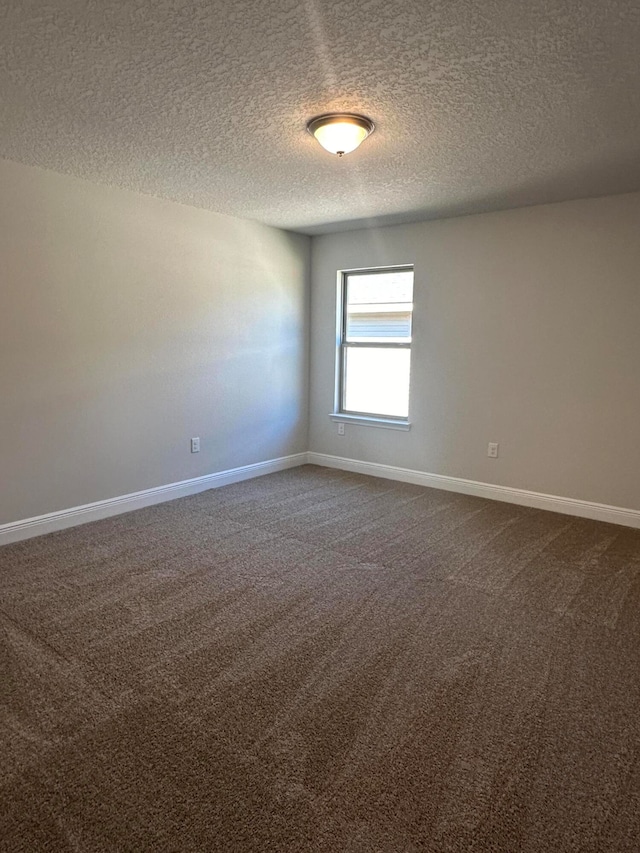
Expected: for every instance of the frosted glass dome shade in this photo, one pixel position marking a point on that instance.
(340, 133)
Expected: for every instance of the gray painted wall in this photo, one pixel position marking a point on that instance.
(527, 332)
(129, 324)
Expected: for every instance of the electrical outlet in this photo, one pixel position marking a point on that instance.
(492, 449)
(340, 429)
(195, 445)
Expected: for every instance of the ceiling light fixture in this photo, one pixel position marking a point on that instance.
(340, 133)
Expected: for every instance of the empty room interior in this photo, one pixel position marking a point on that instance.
(320, 426)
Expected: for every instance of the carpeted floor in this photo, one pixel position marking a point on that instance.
(319, 661)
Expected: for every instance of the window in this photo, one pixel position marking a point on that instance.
(374, 359)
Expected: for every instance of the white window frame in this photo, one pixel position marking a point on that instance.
(339, 414)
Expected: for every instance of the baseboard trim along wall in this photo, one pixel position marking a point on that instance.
(52, 521)
(568, 506)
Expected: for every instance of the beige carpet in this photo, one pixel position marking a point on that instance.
(318, 661)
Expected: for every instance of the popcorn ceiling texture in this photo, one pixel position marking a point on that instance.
(478, 106)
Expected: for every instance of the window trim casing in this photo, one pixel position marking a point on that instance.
(340, 414)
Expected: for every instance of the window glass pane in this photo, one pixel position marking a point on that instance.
(378, 306)
(367, 326)
(376, 381)
(380, 287)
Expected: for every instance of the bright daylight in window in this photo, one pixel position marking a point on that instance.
(376, 308)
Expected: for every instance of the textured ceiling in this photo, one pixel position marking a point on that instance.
(478, 105)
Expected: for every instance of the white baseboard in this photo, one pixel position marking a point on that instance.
(26, 528)
(568, 506)
(52, 521)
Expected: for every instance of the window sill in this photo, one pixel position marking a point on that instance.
(364, 420)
